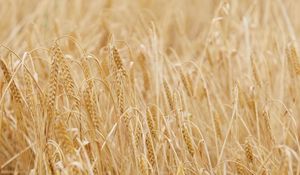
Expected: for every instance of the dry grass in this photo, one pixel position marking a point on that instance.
(149, 87)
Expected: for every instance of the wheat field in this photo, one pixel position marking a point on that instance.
(126, 87)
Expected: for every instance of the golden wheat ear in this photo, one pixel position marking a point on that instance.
(118, 61)
(13, 87)
(188, 140)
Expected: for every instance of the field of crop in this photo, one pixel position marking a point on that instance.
(128, 87)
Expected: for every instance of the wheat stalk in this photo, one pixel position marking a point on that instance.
(64, 138)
